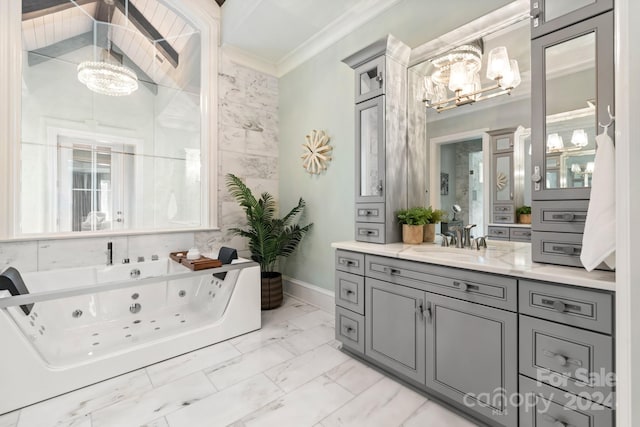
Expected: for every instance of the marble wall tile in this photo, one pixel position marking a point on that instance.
(354, 376)
(158, 402)
(177, 367)
(79, 403)
(242, 367)
(233, 139)
(433, 415)
(386, 403)
(54, 254)
(228, 405)
(249, 166)
(159, 244)
(303, 407)
(20, 255)
(263, 143)
(293, 373)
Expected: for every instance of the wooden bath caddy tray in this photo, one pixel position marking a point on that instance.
(195, 264)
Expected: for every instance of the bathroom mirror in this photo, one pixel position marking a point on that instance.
(457, 139)
(112, 136)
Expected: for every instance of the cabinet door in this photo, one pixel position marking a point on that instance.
(395, 328)
(503, 178)
(370, 153)
(552, 15)
(572, 86)
(370, 79)
(472, 356)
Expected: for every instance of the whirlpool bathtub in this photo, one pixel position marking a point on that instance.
(92, 323)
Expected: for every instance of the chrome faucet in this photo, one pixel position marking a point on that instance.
(458, 237)
(480, 242)
(109, 253)
(467, 235)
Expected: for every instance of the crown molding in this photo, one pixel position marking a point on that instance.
(355, 17)
(246, 59)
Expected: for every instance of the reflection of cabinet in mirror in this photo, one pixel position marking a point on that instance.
(381, 138)
(551, 15)
(506, 188)
(572, 86)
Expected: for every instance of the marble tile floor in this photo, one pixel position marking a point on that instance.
(289, 373)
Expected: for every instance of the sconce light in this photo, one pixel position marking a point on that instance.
(578, 171)
(459, 70)
(554, 142)
(579, 138)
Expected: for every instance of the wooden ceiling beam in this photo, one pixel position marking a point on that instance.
(144, 26)
(32, 9)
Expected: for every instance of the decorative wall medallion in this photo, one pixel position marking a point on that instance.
(501, 180)
(317, 152)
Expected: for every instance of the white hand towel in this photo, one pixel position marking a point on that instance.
(599, 239)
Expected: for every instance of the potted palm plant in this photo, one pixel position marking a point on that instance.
(269, 237)
(412, 221)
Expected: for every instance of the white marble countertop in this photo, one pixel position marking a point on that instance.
(507, 258)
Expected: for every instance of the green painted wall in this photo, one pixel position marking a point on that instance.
(319, 94)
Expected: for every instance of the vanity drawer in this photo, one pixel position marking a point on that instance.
(572, 306)
(369, 232)
(351, 262)
(350, 329)
(572, 359)
(483, 288)
(503, 209)
(546, 406)
(503, 218)
(567, 216)
(518, 234)
(498, 233)
(349, 291)
(370, 212)
(556, 248)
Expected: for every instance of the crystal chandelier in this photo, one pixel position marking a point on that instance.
(459, 71)
(104, 77)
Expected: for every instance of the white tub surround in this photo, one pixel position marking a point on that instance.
(93, 323)
(506, 258)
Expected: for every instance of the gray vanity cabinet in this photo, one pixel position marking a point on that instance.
(381, 165)
(552, 15)
(572, 89)
(395, 330)
(471, 356)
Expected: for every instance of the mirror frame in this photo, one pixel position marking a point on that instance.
(203, 13)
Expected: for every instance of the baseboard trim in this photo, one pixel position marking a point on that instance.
(312, 294)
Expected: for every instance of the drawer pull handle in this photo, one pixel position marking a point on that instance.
(554, 421)
(568, 250)
(564, 217)
(348, 262)
(559, 306)
(349, 292)
(561, 359)
(464, 287)
(348, 329)
(392, 271)
(364, 212)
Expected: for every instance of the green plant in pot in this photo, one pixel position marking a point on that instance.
(434, 216)
(269, 237)
(412, 221)
(524, 214)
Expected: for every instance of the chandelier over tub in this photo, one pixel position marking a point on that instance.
(105, 77)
